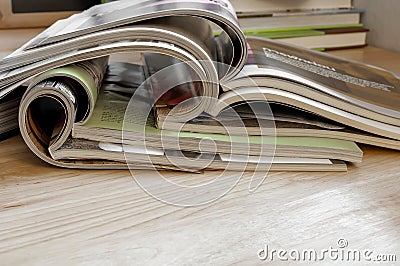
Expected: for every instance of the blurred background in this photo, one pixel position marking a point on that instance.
(383, 19)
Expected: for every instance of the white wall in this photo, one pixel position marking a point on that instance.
(382, 17)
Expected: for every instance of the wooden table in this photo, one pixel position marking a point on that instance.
(60, 216)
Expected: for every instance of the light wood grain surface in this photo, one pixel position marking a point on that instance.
(60, 216)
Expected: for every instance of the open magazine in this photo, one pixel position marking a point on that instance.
(196, 100)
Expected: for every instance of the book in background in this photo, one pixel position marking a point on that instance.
(312, 24)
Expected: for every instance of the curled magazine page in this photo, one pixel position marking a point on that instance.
(363, 85)
(118, 14)
(57, 99)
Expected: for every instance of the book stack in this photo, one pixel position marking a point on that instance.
(309, 23)
(195, 101)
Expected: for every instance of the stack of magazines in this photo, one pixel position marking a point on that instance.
(194, 101)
